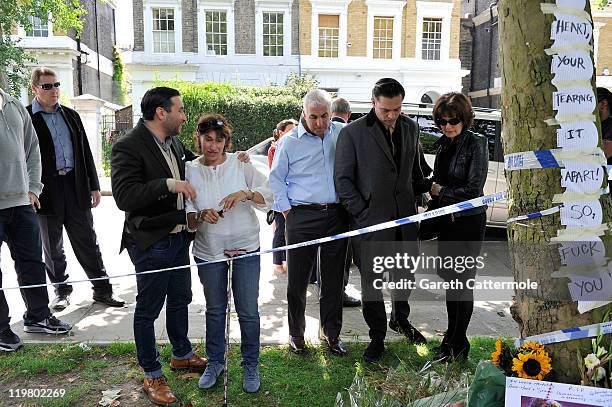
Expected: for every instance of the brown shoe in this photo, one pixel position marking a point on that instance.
(194, 364)
(158, 391)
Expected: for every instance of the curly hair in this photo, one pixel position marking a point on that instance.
(209, 122)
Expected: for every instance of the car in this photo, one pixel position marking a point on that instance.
(487, 122)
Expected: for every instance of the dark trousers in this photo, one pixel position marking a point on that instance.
(373, 306)
(19, 227)
(279, 238)
(79, 227)
(307, 224)
(462, 236)
(172, 287)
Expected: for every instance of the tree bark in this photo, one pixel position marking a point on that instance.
(526, 102)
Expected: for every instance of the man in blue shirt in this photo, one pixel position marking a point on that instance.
(302, 180)
(71, 189)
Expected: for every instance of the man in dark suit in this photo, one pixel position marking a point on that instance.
(71, 189)
(148, 181)
(375, 167)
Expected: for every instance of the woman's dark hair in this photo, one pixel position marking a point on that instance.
(456, 105)
(208, 122)
(389, 88)
(281, 126)
(157, 97)
(605, 94)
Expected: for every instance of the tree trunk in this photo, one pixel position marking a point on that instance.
(526, 102)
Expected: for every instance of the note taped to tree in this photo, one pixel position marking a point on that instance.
(574, 100)
(580, 134)
(582, 177)
(572, 65)
(574, 4)
(584, 306)
(526, 392)
(582, 213)
(570, 29)
(591, 288)
(575, 253)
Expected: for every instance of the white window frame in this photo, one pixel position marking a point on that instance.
(148, 7)
(337, 7)
(392, 37)
(21, 32)
(386, 8)
(39, 36)
(437, 21)
(444, 11)
(221, 5)
(273, 6)
(328, 41)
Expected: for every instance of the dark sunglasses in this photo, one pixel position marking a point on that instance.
(49, 86)
(210, 124)
(452, 122)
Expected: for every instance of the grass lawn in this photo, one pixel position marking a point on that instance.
(287, 379)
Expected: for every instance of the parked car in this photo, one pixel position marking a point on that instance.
(487, 122)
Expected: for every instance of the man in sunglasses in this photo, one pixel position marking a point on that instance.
(377, 161)
(71, 189)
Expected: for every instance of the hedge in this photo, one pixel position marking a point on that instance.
(252, 111)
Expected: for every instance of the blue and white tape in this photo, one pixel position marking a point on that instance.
(535, 215)
(569, 334)
(447, 210)
(552, 158)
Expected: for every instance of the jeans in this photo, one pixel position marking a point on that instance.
(245, 288)
(173, 287)
(19, 227)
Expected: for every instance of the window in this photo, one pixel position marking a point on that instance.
(329, 30)
(432, 38)
(383, 38)
(39, 29)
(216, 33)
(163, 30)
(273, 34)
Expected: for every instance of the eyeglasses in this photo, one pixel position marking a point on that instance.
(210, 124)
(452, 122)
(49, 86)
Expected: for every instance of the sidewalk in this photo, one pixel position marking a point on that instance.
(97, 324)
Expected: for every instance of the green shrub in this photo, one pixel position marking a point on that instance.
(252, 111)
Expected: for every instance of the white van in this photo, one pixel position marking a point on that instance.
(487, 122)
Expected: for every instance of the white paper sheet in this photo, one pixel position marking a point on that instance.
(581, 134)
(584, 213)
(582, 177)
(575, 253)
(574, 100)
(526, 393)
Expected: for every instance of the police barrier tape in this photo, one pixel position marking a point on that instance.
(554, 158)
(446, 210)
(568, 334)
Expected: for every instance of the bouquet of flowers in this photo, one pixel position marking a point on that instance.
(530, 361)
(593, 370)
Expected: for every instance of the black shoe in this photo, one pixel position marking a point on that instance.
(348, 301)
(110, 300)
(49, 325)
(374, 351)
(9, 342)
(60, 302)
(406, 329)
(297, 344)
(336, 346)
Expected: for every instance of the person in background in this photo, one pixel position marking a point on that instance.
(20, 188)
(460, 172)
(223, 214)
(279, 259)
(71, 190)
(340, 111)
(604, 104)
(148, 181)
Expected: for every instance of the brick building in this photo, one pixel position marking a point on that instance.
(84, 64)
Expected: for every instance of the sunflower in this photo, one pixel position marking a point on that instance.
(532, 365)
(495, 356)
(532, 346)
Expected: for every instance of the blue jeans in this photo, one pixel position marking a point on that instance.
(172, 287)
(245, 288)
(19, 227)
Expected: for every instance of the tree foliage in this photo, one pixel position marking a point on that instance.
(64, 14)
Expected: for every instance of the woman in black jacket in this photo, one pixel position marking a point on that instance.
(460, 172)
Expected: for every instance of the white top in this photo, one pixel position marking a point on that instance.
(239, 227)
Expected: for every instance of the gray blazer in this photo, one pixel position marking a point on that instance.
(369, 184)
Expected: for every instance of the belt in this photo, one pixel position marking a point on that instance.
(63, 172)
(319, 207)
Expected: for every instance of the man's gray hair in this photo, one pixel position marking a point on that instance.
(41, 71)
(317, 97)
(341, 106)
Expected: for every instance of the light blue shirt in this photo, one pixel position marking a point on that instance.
(303, 168)
(60, 133)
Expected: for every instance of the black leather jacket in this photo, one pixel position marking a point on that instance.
(467, 171)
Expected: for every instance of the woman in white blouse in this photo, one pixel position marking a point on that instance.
(223, 214)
